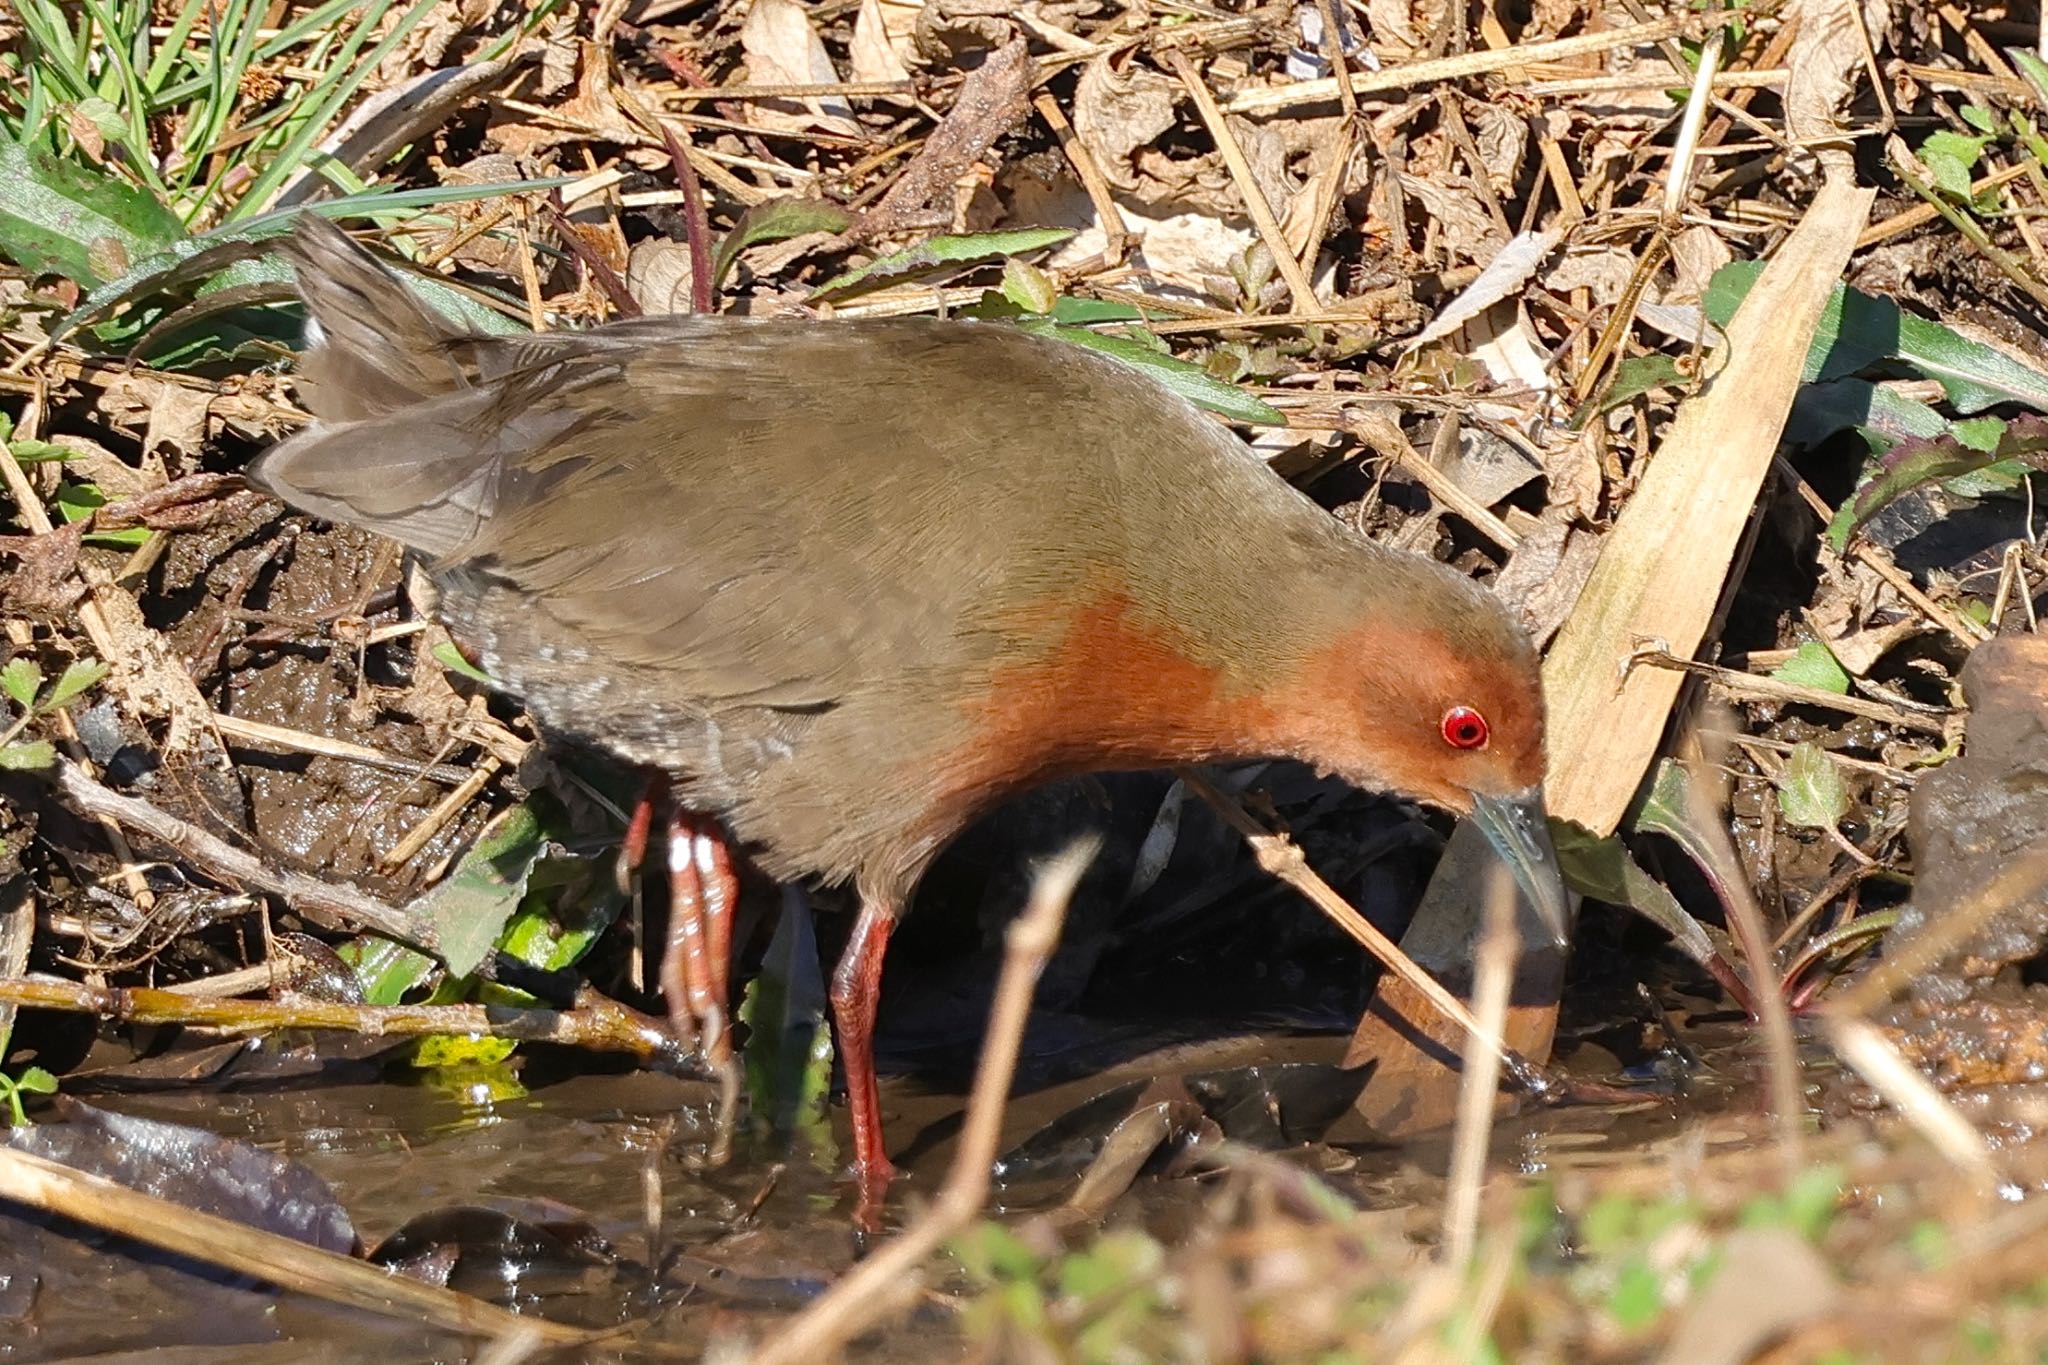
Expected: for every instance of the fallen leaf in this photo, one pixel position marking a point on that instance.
(872, 55)
(783, 49)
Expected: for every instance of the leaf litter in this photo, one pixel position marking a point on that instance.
(1507, 317)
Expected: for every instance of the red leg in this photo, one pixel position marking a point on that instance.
(856, 991)
(703, 890)
(633, 849)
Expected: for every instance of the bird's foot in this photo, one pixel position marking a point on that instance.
(872, 1179)
(696, 964)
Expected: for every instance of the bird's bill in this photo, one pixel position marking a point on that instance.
(1516, 827)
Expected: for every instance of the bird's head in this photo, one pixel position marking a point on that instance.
(1432, 689)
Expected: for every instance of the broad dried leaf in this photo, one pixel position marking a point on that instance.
(783, 49)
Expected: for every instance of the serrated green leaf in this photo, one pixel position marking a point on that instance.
(61, 218)
(1950, 157)
(21, 679)
(776, 220)
(1814, 665)
(28, 756)
(1857, 330)
(1189, 381)
(1811, 793)
(36, 1081)
(450, 658)
(967, 249)
(78, 675)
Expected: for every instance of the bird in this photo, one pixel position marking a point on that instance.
(847, 585)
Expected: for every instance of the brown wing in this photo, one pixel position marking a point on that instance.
(780, 511)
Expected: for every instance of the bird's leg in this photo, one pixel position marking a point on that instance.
(703, 893)
(703, 889)
(633, 848)
(856, 991)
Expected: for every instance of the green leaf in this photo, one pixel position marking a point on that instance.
(968, 249)
(1189, 381)
(1641, 374)
(2033, 68)
(1602, 869)
(444, 1050)
(1811, 793)
(60, 218)
(1980, 118)
(1028, 287)
(569, 904)
(450, 658)
(39, 452)
(776, 220)
(1950, 158)
(789, 1049)
(1814, 665)
(470, 907)
(29, 756)
(388, 971)
(1857, 330)
(36, 1081)
(79, 675)
(21, 680)
(1915, 463)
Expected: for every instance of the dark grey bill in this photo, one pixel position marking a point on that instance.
(1515, 825)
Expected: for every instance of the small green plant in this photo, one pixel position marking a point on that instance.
(22, 681)
(32, 1081)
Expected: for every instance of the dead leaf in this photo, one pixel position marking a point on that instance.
(1696, 253)
(1118, 112)
(658, 276)
(783, 49)
(1822, 69)
(873, 56)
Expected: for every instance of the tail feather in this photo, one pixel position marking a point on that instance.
(375, 347)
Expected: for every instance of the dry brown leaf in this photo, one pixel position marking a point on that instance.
(1118, 112)
(1822, 69)
(783, 49)
(658, 276)
(1547, 572)
(1696, 253)
(873, 55)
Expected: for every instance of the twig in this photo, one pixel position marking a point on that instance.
(285, 1262)
(333, 906)
(1282, 858)
(325, 746)
(1247, 184)
(1479, 1078)
(597, 1023)
(886, 1278)
(1116, 236)
(1457, 68)
(1907, 1091)
(1754, 687)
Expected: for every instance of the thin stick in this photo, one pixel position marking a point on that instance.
(597, 1024)
(333, 906)
(1333, 53)
(1916, 1100)
(1757, 687)
(298, 1266)
(1479, 1077)
(887, 1278)
(325, 746)
(1280, 857)
(1457, 68)
(1247, 184)
(1116, 236)
(1678, 174)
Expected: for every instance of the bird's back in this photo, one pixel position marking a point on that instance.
(777, 557)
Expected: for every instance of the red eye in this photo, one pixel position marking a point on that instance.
(1464, 728)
